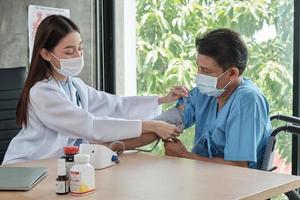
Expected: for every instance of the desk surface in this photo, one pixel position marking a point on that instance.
(146, 176)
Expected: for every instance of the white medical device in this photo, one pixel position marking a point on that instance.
(100, 156)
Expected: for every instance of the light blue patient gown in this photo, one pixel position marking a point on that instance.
(238, 132)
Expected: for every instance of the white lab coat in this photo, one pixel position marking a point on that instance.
(55, 120)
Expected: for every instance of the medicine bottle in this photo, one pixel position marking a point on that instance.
(62, 181)
(82, 175)
(70, 151)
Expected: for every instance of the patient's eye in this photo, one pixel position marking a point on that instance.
(203, 70)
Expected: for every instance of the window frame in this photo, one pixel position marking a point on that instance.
(105, 56)
(296, 88)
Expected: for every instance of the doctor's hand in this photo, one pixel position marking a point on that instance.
(175, 93)
(175, 148)
(162, 129)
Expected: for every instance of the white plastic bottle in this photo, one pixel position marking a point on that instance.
(82, 175)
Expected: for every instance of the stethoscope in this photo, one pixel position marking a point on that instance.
(77, 99)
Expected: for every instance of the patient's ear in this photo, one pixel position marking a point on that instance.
(234, 73)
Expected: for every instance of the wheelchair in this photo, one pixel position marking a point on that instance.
(292, 126)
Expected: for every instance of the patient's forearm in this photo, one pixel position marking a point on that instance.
(130, 144)
(172, 116)
(144, 139)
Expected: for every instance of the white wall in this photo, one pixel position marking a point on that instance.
(125, 47)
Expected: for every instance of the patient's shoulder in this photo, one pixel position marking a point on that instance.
(249, 92)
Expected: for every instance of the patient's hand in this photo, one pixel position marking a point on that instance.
(175, 148)
(117, 146)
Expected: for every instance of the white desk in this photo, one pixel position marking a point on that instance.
(149, 177)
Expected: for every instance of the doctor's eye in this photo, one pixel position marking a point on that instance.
(69, 52)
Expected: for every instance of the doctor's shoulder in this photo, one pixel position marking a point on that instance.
(82, 86)
(78, 80)
(44, 88)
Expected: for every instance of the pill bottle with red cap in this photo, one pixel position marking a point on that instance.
(70, 151)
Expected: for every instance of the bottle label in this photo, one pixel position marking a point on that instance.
(82, 182)
(62, 187)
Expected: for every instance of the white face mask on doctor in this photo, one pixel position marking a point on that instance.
(70, 66)
(208, 85)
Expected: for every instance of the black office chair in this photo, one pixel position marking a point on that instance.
(294, 128)
(11, 83)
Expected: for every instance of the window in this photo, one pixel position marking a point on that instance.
(166, 30)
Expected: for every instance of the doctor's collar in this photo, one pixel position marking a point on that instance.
(59, 81)
(62, 82)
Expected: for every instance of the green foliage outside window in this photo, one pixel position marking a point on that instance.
(166, 31)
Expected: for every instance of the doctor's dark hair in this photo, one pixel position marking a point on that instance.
(226, 47)
(49, 33)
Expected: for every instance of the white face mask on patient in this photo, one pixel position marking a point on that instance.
(208, 85)
(70, 66)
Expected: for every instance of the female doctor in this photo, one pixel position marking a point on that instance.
(55, 109)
